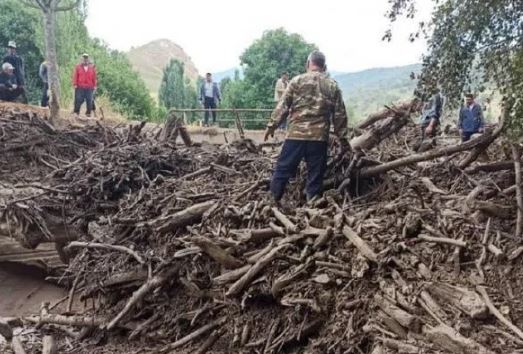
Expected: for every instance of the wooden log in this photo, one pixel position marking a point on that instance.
(380, 132)
(253, 271)
(284, 220)
(400, 346)
(17, 346)
(75, 321)
(451, 340)
(182, 218)
(402, 317)
(151, 284)
(492, 167)
(360, 244)
(372, 171)
(105, 246)
(384, 113)
(115, 281)
(466, 300)
(49, 345)
(217, 253)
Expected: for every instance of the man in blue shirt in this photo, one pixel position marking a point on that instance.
(209, 97)
(471, 119)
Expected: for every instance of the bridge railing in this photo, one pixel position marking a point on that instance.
(241, 118)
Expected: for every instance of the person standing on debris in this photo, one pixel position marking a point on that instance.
(9, 89)
(43, 73)
(209, 96)
(311, 101)
(431, 114)
(281, 86)
(18, 64)
(471, 119)
(84, 82)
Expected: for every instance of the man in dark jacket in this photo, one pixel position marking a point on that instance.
(431, 114)
(209, 97)
(18, 64)
(84, 82)
(9, 89)
(471, 119)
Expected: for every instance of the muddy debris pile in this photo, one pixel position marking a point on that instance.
(180, 250)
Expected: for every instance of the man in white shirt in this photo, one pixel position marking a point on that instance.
(209, 97)
(281, 86)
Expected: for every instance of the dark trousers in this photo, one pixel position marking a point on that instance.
(293, 151)
(10, 95)
(82, 95)
(466, 136)
(45, 95)
(209, 103)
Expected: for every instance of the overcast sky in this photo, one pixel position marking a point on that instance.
(215, 32)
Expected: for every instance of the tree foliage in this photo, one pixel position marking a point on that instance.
(117, 80)
(473, 45)
(176, 90)
(263, 63)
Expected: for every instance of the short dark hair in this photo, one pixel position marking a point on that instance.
(284, 73)
(317, 58)
(208, 74)
(469, 95)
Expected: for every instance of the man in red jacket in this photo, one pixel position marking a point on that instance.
(84, 82)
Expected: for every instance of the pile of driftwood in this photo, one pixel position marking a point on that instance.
(180, 250)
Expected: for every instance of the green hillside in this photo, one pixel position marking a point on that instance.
(367, 91)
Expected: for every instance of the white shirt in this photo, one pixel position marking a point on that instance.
(208, 89)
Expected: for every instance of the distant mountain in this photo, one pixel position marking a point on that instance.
(150, 60)
(219, 76)
(368, 90)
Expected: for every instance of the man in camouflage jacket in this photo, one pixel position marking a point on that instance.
(311, 101)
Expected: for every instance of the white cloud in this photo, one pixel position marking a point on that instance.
(215, 33)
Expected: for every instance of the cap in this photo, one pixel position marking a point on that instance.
(11, 44)
(7, 66)
(85, 55)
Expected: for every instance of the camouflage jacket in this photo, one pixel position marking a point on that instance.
(309, 104)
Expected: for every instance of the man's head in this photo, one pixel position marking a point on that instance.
(85, 59)
(11, 47)
(208, 77)
(316, 61)
(469, 99)
(7, 68)
(285, 76)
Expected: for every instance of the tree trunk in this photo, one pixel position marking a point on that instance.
(516, 154)
(52, 63)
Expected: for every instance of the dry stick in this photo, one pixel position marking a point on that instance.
(146, 288)
(71, 293)
(428, 155)
(493, 310)
(17, 346)
(188, 338)
(246, 279)
(79, 321)
(217, 253)
(284, 220)
(516, 154)
(49, 345)
(444, 240)
(209, 342)
(104, 246)
(484, 242)
(181, 218)
(360, 244)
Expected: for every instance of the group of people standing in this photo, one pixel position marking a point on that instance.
(470, 119)
(12, 80)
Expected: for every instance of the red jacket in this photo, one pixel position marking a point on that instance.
(84, 78)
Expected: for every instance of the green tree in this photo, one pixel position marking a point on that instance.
(263, 63)
(23, 26)
(473, 45)
(177, 90)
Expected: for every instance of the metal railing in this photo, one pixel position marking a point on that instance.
(248, 118)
